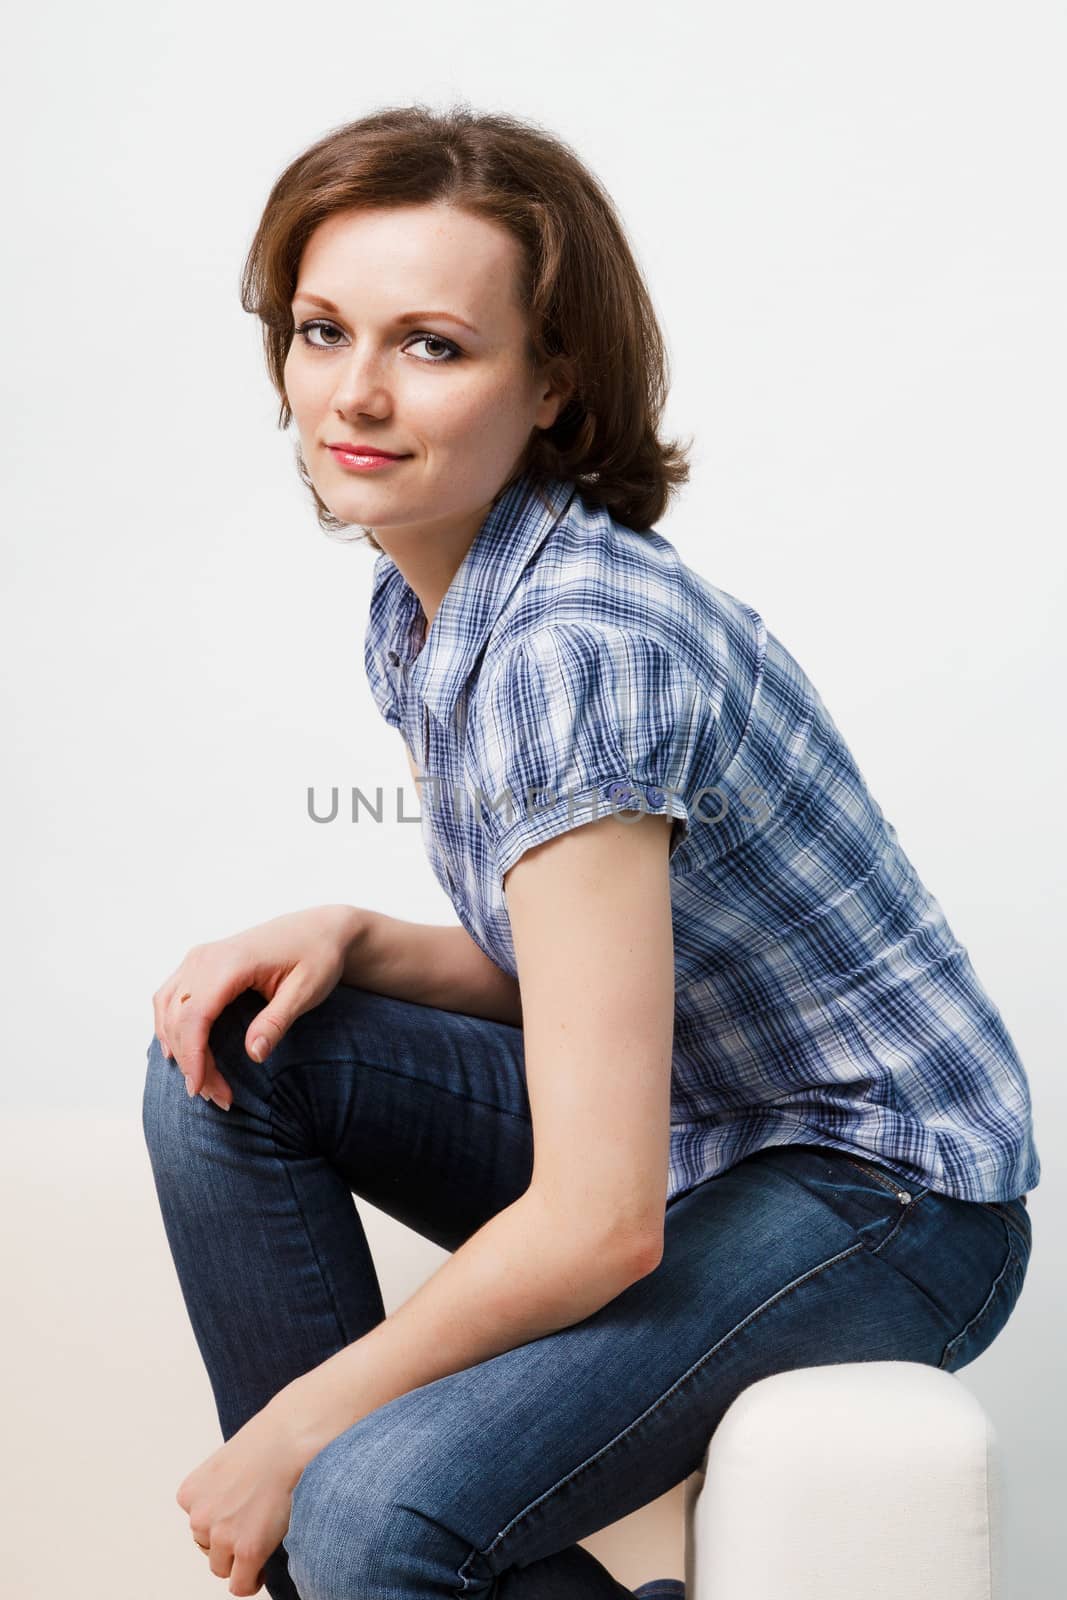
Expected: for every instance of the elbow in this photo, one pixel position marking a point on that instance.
(638, 1237)
(646, 1253)
(636, 1253)
(606, 1266)
(615, 1252)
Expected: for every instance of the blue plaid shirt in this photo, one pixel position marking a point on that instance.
(575, 666)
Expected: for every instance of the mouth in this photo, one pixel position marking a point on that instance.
(363, 458)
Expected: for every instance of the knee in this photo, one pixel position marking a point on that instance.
(355, 1527)
(166, 1121)
(171, 1119)
(159, 1100)
(335, 1531)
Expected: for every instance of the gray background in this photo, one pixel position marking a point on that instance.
(847, 217)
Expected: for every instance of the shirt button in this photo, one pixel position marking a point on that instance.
(620, 792)
(394, 659)
(655, 797)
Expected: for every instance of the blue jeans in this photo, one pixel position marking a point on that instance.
(482, 1482)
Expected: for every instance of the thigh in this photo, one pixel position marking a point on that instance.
(789, 1259)
(420, 1111)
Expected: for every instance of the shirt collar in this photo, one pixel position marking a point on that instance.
(519, 521)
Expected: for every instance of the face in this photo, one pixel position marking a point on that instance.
(450, 391)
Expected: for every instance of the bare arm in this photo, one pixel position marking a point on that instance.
(434, 966)
(591, 918)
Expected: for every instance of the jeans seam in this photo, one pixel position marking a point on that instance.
(987, 1304)
(1009, 1220)
(757, 1311)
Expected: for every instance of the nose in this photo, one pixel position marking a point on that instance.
(360, 387)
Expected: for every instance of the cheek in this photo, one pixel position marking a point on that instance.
(470, 406)
(301, 391)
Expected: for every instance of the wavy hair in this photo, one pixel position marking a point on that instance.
(589, 314)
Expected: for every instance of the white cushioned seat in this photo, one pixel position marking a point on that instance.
(857, 1481)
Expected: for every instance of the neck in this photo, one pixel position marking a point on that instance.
(430, 554)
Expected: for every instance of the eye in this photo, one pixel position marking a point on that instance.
(307, 328)
(450, 351)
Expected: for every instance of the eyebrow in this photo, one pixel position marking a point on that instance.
(404, 316)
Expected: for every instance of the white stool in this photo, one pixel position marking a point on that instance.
(869, 1480)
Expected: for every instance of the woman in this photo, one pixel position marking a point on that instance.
(777, 1120)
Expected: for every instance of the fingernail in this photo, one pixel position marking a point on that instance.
(188, 1086)
(259, 1049)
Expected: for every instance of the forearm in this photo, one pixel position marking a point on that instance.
(434, 966)
(524, 1274)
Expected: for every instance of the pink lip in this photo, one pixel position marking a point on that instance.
(357, 460)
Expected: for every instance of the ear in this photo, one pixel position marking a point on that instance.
(558, 386)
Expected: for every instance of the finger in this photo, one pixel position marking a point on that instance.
(195, 1056)
(221, 1559)
(202, 1537)
(194, 1007)
(159, 1010)
(180, 1020)
(171, 1008)
(247, 1575)
(214, 1082)
(266, 1031)
(172, 998)
(216, 1088)
(190, 1044)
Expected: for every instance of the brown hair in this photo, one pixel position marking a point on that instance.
(590, 316)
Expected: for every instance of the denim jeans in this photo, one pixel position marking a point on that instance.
(482, 1482)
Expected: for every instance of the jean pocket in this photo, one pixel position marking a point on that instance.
(905, 1193)
(978, 1333)
(868, 1198)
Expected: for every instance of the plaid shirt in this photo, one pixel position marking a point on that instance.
(575, 667)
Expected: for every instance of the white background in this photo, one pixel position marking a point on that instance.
(850, 217)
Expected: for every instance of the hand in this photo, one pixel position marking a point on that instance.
(240, 1499)
(293, 961)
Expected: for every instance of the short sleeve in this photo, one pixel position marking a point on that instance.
(582, 720)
